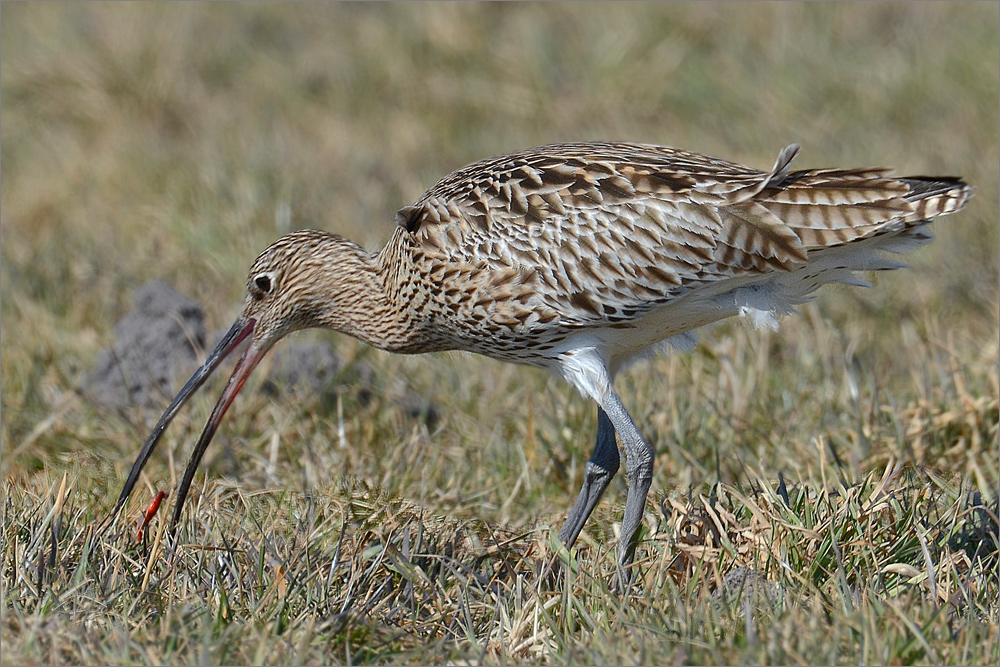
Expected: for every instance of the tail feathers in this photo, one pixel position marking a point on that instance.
(827, 208)
(922, 187)
(936, 195)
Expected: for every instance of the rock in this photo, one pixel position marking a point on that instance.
(308, 367)
(158, 340)
(312, 367)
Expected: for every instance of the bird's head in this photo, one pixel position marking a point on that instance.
(300, 281)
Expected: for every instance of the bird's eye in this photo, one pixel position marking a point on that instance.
(263, 283)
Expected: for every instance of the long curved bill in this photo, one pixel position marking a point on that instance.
(240, 330)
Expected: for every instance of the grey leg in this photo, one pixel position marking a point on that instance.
(601, 467)
(639, 472)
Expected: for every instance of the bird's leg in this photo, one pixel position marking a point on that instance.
(639, 456)
(601, 467)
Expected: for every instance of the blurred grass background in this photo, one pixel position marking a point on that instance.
(175, 141)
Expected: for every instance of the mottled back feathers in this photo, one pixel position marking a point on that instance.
(584, 235)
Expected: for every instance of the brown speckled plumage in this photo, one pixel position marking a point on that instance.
(580, 258)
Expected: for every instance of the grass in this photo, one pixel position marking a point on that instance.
(845, 468)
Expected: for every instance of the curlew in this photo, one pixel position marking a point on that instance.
(580, 259)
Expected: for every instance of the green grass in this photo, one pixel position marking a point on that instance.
(176, 142)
